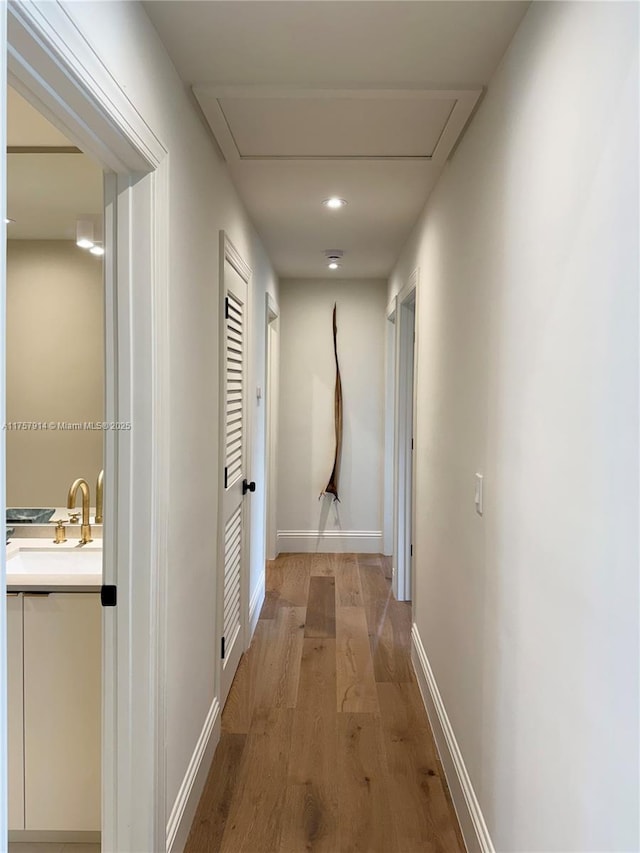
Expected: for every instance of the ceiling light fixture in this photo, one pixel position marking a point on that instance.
(334, 203)
(333, 265)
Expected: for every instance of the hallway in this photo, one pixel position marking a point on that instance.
(325, 742)
(399, 238)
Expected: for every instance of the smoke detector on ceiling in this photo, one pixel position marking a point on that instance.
(333, 256)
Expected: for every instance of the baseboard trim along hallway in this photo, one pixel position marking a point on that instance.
(472, 823)
(186, 803)
(330, 541)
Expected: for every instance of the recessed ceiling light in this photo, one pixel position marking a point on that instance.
(97, 250)
(334, 203)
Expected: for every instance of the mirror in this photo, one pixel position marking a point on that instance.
(55, 314)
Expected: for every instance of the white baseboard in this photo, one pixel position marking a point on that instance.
(472, 823)
(53, 836)
(330, 541)
(184, 808)
(255, 606)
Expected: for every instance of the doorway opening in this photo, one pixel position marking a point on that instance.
(404, 419)
(53, 436)
(272, 403)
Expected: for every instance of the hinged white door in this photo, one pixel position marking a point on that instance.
(233, 593)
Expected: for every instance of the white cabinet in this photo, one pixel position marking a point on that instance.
(62, 657)
(15, 711)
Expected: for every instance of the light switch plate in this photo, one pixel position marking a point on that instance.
(479, 496)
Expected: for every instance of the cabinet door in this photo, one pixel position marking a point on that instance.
(15, 740)
(62, 709)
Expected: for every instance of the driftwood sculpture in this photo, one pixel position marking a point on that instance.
(332, 486)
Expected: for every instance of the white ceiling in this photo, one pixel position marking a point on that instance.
(46, 192)
(363, 100)
(336, 42)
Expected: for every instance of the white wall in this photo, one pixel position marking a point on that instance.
(306, 416)
(528, 373)
(202, 201)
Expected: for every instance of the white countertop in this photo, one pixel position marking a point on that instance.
(23, 575)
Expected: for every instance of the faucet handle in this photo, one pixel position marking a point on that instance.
(60, 534)
(74, 517)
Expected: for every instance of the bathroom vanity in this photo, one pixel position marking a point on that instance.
(54, 689)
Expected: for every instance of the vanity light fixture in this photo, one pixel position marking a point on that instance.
(7, 221)
(89, 233)
(84, 233)
(334, 203)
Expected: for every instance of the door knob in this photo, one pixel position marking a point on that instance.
(248, 486)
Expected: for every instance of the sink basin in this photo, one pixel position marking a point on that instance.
(48, 561)
(29, 515)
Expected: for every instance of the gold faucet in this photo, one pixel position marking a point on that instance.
(99, 497)
(71, 502)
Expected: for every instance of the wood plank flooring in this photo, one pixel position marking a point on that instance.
(325, 744)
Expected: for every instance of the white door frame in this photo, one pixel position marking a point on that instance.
(405, 349)
(388, 539)
(4, 816)
(272, 347)
(55, 68)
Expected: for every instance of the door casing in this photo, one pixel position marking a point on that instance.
(4, 796)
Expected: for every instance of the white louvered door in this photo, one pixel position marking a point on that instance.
(234, 592)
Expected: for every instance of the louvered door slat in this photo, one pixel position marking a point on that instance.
(235, 357)
(232, 562)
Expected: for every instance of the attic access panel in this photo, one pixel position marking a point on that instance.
(335, 127)
(252, 123)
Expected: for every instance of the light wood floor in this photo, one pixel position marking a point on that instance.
(325, 742)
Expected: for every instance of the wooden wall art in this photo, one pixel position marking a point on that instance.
(332, 486)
